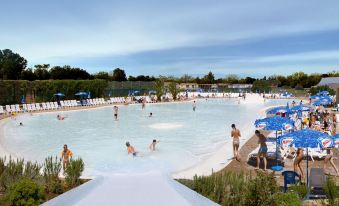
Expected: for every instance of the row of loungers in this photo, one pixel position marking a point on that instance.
(63, 104)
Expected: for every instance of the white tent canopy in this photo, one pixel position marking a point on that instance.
(147, 189)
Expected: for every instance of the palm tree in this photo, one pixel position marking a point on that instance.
(173, 90)
(159, 88)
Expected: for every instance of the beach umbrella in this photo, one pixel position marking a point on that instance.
(151, 92)
(336, 141)
(315, 97)
(322, 102)
(306, 138)
(23, 99)
(282, 109)
(59, 94)
(81, 94)
(301, 107)
(275, 123)
(323, 93)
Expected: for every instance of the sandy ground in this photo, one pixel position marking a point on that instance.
(248, 166)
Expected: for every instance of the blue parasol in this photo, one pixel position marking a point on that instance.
(336, 141)
(275, 123)
(302, 108)
(81, 94)
(323, 93)
(323, 101)
(59, 94)
(315, 97)
(282, 109)
(151, 92)
(306, 138)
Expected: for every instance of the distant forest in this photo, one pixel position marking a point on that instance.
(14, 67)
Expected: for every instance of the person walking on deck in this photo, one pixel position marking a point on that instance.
(235, 134)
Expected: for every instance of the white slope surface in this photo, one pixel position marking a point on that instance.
(147, 189)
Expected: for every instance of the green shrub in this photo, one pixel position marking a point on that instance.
(315, 90)
(260, 190)
(25, 192)
(51, 175)
(331, 191)
(74, 170)
(299, 189)
(286, 199)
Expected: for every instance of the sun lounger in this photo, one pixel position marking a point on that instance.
(48, 106)
(1, 110)
(29, 108)
(56, 105)
(33, 107)
(8, 109)
(13, 108)
(17, 108)
(316, 184)
(37, 106)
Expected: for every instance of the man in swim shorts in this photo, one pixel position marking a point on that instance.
(115, 111)
(152, 145)
(235, 134)
(66, 155)
(130, 149)
(262, 153)
(194, 106)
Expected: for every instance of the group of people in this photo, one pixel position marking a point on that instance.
(132, 151)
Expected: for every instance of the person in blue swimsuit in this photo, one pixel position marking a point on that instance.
(262, 153)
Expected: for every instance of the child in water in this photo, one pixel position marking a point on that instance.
(130, 149)
(153, 144)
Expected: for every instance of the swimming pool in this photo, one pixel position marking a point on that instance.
(186, 137)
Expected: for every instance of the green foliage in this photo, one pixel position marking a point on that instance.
(260, 190)
(159, 89)
(51, 173)
(315, 90)
(331, 191)
(299, 189)
(286, 199)
(74, 170)
(264, 85)
(172, 87)
(11, 64)
(119, 75)
(25, 192)
(16, 169)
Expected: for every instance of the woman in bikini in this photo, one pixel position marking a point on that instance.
(329, 159)
(235, 134)
(297, 161)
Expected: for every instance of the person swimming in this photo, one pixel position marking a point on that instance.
(150, 114)
(194, 106)
(20, 124)
(115, 111)
(153, 144)
(59, 117)
(130, 149)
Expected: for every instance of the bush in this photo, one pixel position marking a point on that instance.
(74, 170)
(299, 189)
(25, 193)
(260, 190)
(286, 199)
(51, 175)
(331, 191)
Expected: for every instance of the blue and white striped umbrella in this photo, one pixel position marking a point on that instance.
(282, 109)
(323, 93)
(323, 101)
(336, 141)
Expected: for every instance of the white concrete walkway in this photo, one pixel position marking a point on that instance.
(147, 189)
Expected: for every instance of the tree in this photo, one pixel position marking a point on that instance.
(186, 79)
(67, 72)
(11, 64)
(119, 75)
(28, 74)
(159, 88)
(209, 78)
(102, 75)
(172, 87)
(232, 79)
(41, 71)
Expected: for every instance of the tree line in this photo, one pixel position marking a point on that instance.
(14, 67)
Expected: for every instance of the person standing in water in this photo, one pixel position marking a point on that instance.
(130, 149)
(194, 106)
(235, 134)
(115, 111)
(262, 153)
(153, 144)
(66, 155)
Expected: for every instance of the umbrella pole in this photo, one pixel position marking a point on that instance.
(276, 146)
(307, 168)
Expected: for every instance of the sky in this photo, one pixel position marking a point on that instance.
(247, 38)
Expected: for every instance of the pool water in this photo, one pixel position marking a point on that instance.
(186, 137)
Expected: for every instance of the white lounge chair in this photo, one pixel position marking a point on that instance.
(13, 108)
(1, 110)
(17, 108)
(8, 109)
(33, 107)
(44, 106)
(29, 108)
(37, 106)
(56, 105)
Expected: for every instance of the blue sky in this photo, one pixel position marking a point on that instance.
(247, 38)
